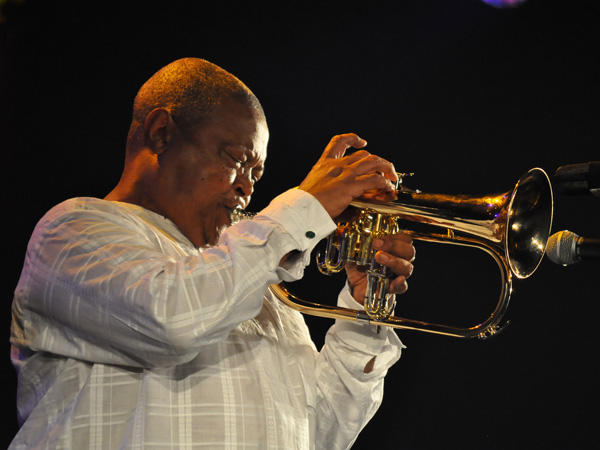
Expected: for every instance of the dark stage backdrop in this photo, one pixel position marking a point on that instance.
(466, 96)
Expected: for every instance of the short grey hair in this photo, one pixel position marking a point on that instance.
(191, 89)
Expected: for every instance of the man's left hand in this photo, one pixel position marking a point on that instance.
(394, 251)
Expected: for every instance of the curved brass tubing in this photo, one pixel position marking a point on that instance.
(513, 228)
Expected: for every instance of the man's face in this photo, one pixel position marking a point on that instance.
(213, 170)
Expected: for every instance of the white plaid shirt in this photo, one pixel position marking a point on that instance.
(127, 336)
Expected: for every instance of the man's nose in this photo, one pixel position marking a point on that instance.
(244, 182)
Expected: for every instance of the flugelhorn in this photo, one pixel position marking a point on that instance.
(513, 228)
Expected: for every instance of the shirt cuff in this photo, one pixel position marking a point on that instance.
(304, 220)
(363, 337)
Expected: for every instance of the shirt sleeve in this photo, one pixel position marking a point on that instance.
(98, 287)
(347, 398)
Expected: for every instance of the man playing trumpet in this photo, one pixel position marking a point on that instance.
(143, 320)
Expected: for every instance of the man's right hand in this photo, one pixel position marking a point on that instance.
(335, 180)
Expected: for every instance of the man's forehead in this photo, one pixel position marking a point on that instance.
(263, 136)
(236, 117)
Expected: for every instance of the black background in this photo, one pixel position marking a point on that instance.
(465, 95)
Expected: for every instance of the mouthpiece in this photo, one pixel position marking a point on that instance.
(238, 214)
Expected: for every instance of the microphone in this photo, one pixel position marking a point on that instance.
(566, 248)
(581, 178)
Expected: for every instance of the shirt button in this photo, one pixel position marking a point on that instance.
(310, 234)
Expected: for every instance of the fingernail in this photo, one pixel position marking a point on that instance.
(378, 243)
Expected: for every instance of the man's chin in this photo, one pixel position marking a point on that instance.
(214, 235)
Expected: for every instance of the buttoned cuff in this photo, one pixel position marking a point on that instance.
(305, 222)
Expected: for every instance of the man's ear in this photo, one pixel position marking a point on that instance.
(158, 127)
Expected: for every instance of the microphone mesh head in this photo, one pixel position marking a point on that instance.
(562, 248)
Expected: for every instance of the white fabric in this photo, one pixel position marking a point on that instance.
(127, 337)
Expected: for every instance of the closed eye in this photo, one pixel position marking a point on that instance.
(235, 159)
(246, 162)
